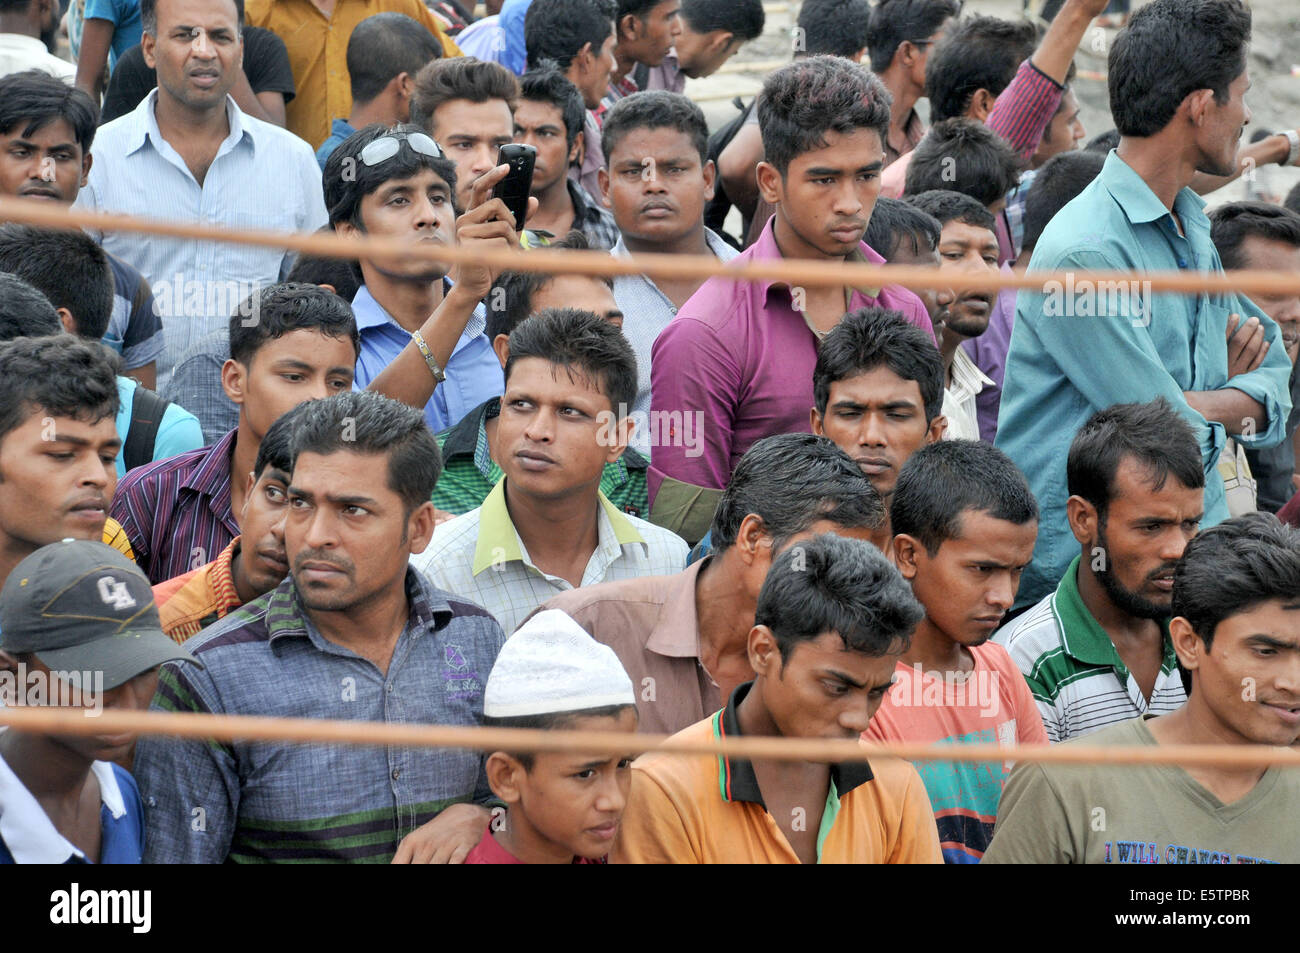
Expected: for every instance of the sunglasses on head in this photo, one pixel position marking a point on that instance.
(384, 148)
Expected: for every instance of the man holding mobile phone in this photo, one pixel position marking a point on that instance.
(422, 339)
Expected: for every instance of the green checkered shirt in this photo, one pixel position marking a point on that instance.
(469, 472)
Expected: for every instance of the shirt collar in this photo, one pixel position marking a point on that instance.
(369, 313)
(498, 540)
(967, 379)
(463, 438)
(428, 609)
(766, 249)
(221, 579)
(145, 125)
(676, 634)
(736, 778)
(211, 477)
(717, 244)
(1082, 636)
(1135, 197)
(27, 830)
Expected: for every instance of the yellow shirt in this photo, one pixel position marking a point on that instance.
(689, 809)
(318, 49)
(116, 537)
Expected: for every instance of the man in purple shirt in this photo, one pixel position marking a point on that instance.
(736, 363)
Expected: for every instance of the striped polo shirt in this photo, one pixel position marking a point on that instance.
(1074, 671)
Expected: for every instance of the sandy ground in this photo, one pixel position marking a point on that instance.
(1274, 67)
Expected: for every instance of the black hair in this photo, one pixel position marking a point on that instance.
(655, 109)
(945, 206)
(69, 268)
(34, 98)
(845, 586)
(1170, 49)
(550, 721)
(943, 480)
(1232, 224)
(385, 45)
(876, 337)
(460, 77)
(802, 102)
(149, 15)
(894, 221)
(583, 343)
(1103, 142)
(341, 274)
(24, 311)
(893, 21)
(510, 299)
(1153, 434)
(741, 18)
(965, 156)
(59, 375)
(275, 310)
(549, 85)
(833, 27)
(791, 481)
(1055, 184)
(276, 449)
(1233, 567)
(558, 29)
(367, 422)
(1292, 200)
(348, 180)
(978, 53)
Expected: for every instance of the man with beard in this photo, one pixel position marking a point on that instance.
(968, 244)
(1097, 650)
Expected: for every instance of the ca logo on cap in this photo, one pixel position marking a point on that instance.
(115, 593)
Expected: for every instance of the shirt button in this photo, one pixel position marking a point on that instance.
(397, 773)
(388, 688)
(153, 802)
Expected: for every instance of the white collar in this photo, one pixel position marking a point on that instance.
(28, 831)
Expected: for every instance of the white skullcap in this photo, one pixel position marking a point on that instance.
(552, 665)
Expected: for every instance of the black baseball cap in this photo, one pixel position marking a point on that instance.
(81, 606)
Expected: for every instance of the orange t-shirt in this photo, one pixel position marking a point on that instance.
(688, 809)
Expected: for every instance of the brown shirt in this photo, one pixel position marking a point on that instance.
(651, 625)
(913, 133)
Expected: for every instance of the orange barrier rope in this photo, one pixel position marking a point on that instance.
(569, 262)
(73, 721)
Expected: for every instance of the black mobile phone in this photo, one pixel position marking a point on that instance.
(513, 189)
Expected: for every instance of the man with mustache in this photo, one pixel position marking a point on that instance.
(739, 356)
(968, 245)
(1097, 650)
(353, 633)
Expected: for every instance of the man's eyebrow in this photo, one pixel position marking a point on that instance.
(1272, 642)
(24, 141)
(614, 313)
(845, 679)
(82, 441)
(294, 363)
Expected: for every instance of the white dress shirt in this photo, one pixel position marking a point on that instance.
(959, 399)
(18, 53)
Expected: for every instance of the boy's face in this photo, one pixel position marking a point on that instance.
(1250, 677)
(46, 165)
(57, 477)
(655, 32)
(284, 372)
(541, 125)
(471, 134)
(970, 583)
(967, 250)
(1268, 254)
(595, 296)
(1063, 133)
(593, 68)
(263, 563)
(824, 690)
(657, 185)
(937, 300)
(570, 805)
(825, 199)
(417, 210)
(347, 535)
(703, 54)
(553, 436)
(878, 419)
(1220, 128)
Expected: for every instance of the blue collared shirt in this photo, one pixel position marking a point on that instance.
(473, 370)
(1076, 350)
(340, 129)
(261, 178)
(273, 801)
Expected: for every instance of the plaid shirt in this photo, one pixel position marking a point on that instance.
(199, 598)
(274, 801)
(596, 223)
(176, 512)
(481, 556)
(469, 472)
(195, 384)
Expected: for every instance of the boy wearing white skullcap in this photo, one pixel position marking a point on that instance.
(564, 808)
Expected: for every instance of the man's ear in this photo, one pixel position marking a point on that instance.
(67, 320)
(719, 40)
(86, 161)
(420, 525)
(938, 427)
(1198, 103)
(710, 179)
(575, 150)
(602, 180)
(148, 44)
(752, 539)
(249, 482)
(234, 380)
(1083, 519)
(1187, 643)
(629, 28)
(764, 654)
(770, 184)
(981, 104)
(504, 776)
(501, 345)
(815, 421)
(616, 434)
(907, 550)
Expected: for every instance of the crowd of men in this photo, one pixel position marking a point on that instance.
(237, 480)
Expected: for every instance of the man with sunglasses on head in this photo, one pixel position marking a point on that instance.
(422, 339)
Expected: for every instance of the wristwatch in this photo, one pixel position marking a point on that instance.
(434, 369)
(1292, 137)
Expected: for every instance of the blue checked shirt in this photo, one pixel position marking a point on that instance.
(270, 801)
(262, 178)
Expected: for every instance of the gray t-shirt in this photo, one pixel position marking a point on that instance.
(1140, 814)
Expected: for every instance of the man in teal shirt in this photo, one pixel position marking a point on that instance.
(1177, 80)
